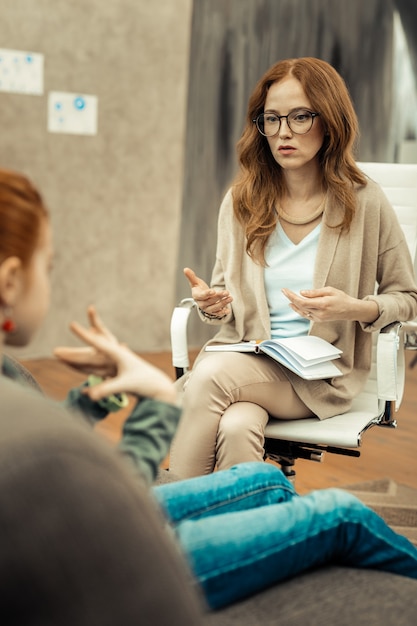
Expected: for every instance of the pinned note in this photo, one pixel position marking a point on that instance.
(72, 113)
(21, 72)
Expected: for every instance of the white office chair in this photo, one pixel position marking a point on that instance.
(310, 438)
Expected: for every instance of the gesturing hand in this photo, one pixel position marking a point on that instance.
(330, 304)
(105, 356)
(88, 359)
(208, 300)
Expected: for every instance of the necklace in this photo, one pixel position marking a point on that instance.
(302, 220)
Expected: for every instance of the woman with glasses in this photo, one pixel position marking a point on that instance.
(303, 237)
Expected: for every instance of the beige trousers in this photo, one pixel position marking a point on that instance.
(227, 400)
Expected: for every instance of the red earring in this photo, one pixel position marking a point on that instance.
(8, 325)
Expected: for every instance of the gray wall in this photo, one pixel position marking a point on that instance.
(115, 198)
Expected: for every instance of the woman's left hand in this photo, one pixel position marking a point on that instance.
(330, 304)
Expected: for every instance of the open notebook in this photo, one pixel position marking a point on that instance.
(308, 356)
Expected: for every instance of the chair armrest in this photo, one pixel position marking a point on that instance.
(179, 341)
(410, 332)
(391, 364)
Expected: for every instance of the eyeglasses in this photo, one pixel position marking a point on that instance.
(299, 122)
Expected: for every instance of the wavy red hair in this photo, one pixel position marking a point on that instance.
(260, 183)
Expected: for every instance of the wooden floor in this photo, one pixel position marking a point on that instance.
(386, 453)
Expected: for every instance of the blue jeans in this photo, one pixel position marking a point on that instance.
(245, 528)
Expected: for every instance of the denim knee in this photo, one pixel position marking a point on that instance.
(340, 503)
(264, 474)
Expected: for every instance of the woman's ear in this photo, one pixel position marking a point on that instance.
(11, 280)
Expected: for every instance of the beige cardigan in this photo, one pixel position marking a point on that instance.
(373, 251)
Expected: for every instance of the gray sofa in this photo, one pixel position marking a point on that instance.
(332, 596)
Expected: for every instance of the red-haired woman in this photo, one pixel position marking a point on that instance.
(303, 237)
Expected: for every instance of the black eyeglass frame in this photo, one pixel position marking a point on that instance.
(280, 117)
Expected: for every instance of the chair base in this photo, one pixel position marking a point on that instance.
(285, 453)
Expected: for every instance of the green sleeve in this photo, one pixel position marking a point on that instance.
(79, 402)
(147, 432)
(147, 435)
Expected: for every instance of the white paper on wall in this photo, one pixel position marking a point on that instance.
(72, 113)
(21, 72)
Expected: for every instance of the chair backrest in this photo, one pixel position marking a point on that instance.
(399, 183)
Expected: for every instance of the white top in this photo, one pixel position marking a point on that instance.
(289, 265)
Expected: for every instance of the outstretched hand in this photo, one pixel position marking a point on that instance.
(88, 359)
(208, 300)
(124, 371)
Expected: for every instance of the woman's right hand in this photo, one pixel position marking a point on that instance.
(208, 300)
